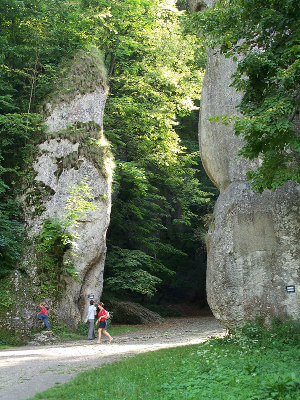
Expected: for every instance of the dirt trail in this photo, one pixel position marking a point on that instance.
(25, 371)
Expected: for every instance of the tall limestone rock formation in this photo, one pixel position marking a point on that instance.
(253, 245)
(74, 152)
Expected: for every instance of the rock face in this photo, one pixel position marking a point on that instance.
(253, 250)
(218, 144)
(75, 151)
(42, 338)
(253, 245)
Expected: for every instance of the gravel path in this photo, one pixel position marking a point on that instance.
(25, 371)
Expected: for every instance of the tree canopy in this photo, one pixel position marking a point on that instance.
(155, 80)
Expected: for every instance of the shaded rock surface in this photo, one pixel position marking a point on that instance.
(253, 245)
(125, 312)
(218, 144)
(252, 254)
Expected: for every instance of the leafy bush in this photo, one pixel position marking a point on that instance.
(133, 271)
(280, 388)
(257, 334)
(7, 338)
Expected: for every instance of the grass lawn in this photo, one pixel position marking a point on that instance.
(254, 364)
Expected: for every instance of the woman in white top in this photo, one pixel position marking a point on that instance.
(91, 320)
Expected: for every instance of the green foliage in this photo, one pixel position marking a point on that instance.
(280, 388)
(264, 38)
(8, 340)
(50, 257)
(56, 238)
(133, 271)
(155, 79)
(223, 369)
(120, 329)
(78, 204)
(17, 131)
(64, 333)
(11, 236)
(7, 295)
(35, 37)
(256, 334)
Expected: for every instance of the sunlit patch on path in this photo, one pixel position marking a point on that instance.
(28, 370)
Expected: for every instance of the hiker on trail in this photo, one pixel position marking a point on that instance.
(102, 317)
(91, 320)
(43, 316)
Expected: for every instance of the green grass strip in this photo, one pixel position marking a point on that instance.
(253, 367)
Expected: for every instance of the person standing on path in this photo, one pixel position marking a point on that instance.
(43, 316)
(91, 320)
(102, 317)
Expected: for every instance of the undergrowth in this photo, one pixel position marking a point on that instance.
(9, 338)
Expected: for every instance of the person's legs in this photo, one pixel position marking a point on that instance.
(45, 320)
(108, 335)
(91, 334)
(99, 335)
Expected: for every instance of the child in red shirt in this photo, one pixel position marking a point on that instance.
(43, 315)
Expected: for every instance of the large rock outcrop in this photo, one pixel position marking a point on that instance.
(75, 151)
(253, 245)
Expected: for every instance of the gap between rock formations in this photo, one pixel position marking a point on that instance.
(26, 371)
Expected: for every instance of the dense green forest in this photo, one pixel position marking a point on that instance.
(154, 55)
(162, 199)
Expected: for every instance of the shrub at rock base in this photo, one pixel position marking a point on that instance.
(131, 313)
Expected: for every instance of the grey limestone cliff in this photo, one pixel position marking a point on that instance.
(253, 245)
(74, 151)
